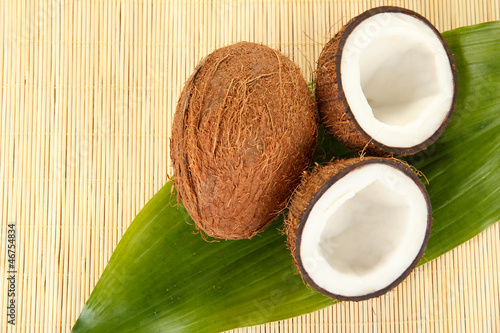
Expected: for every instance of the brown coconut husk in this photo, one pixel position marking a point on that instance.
(333, 107)
(244, 131)
(310, 190)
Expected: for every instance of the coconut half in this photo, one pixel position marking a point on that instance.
(387, 83)
(356, 228)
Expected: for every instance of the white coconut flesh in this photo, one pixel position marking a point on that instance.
(364, 231)
(397, 79)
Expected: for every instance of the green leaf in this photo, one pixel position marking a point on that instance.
(162, 278)
(463, 166)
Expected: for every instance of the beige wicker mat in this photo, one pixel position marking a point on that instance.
(88, 89)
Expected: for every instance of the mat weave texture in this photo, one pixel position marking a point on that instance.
(88, 90)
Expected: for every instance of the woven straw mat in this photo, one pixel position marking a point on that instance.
(87, 96)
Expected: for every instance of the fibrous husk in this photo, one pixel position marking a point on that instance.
(244, 131)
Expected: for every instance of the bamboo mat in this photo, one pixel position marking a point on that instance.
(88, 89)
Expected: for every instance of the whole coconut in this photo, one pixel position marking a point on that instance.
(244, 132)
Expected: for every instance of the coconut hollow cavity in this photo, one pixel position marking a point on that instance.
(387, 83)
(356, 228)
(244, 131)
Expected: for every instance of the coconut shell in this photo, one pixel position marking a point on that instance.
(333, 107)
(244, 131)
(313, 185)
